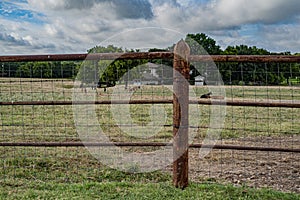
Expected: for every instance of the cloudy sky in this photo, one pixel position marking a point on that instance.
(74, 26)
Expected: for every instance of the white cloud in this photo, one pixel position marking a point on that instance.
(282, 38)
(76, 25)
(245, 11)
(228, 13)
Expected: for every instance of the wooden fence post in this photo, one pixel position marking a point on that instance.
(181, 73)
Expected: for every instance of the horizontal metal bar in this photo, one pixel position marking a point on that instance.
(130, 125)
(153, 144)
(10, 103)
(94, 56)
(33, 80)
(246, 148)
(246, 103)
(151, 55)
(50, 57)
(246, 58)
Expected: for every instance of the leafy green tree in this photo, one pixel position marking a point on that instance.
(35, 70)
(250, 73)
(90, 70)
(107, 71)
(201, 44)
(10, 69)
(67, 69)
(244, 50)
(25, 70)
(47, 70)
(108, 49)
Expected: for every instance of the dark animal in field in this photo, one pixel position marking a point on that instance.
(206, 96)
(106, 84)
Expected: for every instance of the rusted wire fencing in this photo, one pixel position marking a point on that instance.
(130, 96)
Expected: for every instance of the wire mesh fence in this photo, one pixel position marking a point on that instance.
(257, 125)
(40, 141)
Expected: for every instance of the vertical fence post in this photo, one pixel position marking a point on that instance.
(181, 73)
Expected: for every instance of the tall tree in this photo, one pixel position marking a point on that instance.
(251, 73)
(201, 44)
(105, 71)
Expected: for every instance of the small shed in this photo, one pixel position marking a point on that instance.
(199, 80)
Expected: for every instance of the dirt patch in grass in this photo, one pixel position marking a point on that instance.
(276, 170)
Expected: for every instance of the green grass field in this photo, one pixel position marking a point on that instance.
(135, 190)
(72, 173)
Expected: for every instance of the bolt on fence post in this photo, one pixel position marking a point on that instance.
(181, 74)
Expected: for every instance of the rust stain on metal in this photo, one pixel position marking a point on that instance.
(95, 56)
(152, 55)
(245, 58)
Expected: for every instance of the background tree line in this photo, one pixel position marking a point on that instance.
(200, 43)
(65, 69)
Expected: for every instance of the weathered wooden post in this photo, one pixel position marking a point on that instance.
(181, 74)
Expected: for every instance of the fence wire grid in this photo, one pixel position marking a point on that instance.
(245, 126)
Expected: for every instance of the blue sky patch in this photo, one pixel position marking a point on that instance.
(13, 11)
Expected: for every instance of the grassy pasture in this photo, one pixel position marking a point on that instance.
(55, 172)
(56, 123)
